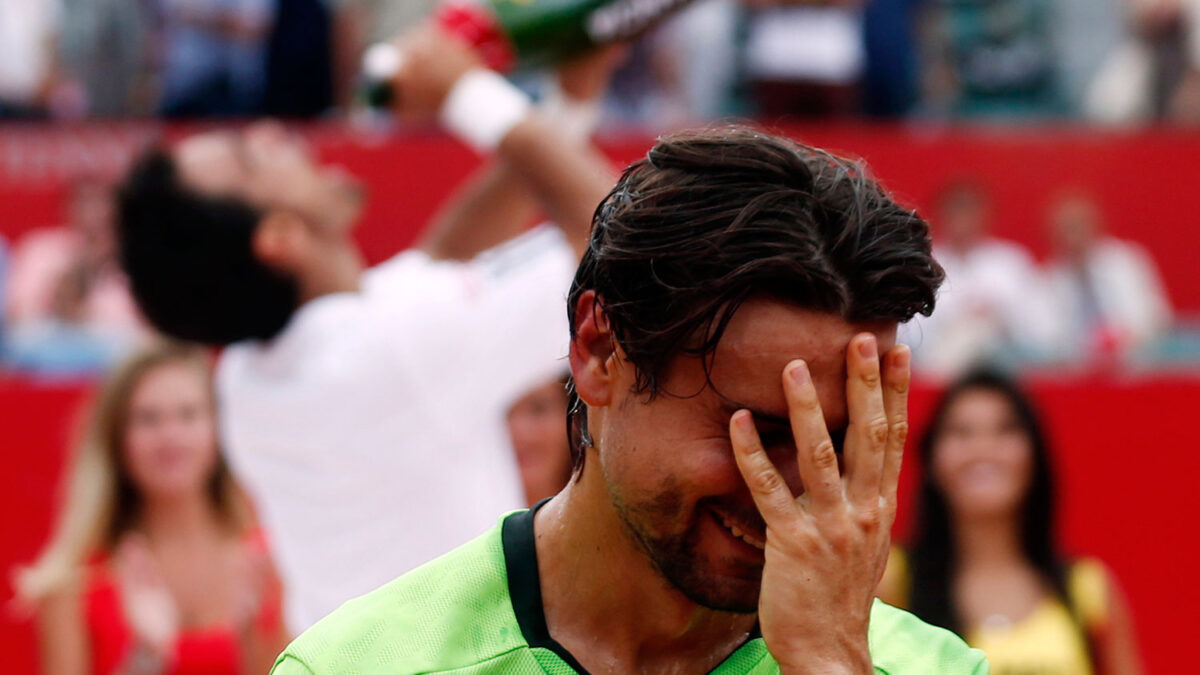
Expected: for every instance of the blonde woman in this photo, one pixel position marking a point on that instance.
(153, 567)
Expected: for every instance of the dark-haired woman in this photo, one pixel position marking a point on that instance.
(983, 559)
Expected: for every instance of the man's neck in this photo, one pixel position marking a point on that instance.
(339, 273)
(607, 604)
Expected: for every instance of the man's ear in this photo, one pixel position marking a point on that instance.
(280, 241)
(594, 356)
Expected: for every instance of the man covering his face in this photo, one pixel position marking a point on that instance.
(738, 423)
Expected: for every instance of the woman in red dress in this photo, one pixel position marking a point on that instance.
(154, 566)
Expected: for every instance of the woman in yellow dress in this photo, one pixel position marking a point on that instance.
(983, 559)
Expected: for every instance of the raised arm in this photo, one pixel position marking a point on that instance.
(1118, 651)
(496, 203)
(569, 179)
(541, 163)
(492, 206)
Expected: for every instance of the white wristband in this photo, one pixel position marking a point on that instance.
(481, 108)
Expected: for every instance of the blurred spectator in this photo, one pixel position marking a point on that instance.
(647, 88)
(1086, 33)
(990, 59)
(1107, 293)
(3, 289)
(153, 565)
(703, 38)
(984, 559)
(68, 304)
(107, 46)
(300, 59)
(381, 20)
(683, 71)
(991, 303)
(1155, 75)
(890, 77)
(32, 83)
(214, 56)
(804, 57)
(538, 429)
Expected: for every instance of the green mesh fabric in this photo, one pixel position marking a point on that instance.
(549, 663)
(454, 616)
(751, 659)
(449, 615)
(902, 643)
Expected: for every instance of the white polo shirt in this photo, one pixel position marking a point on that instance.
(371, 432)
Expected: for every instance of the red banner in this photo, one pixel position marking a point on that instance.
(1145, 182)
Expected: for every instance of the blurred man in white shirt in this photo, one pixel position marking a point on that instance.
(1107, 294)
(992, 302)
(364, 408)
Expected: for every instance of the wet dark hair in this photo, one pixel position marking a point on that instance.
(932, 554)
(190, 263)
(708, 220)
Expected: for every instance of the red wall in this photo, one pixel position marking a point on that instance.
(36, 428)
(1147, 182)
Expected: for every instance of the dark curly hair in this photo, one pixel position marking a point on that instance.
(190, 262)
(709, 219)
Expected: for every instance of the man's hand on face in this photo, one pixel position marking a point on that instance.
(433, 61)
(826, 550)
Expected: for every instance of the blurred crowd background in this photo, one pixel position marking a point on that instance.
(1101, 61)
(1011, 64)
(1064, 214)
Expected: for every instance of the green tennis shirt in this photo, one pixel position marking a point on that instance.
(478, 610)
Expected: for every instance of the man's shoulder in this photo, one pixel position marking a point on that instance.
(336, 338)
(451, 613)
(544, 244)
(902, 643)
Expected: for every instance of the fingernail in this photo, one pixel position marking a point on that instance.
(742, 420)
(903, 356)
(866, 347)
(799, 373)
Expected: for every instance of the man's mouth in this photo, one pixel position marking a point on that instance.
(742, 531)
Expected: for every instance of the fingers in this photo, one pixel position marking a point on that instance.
(877, 402)
(768, 488)
(816, 457)
(868, 431)
(896, 379)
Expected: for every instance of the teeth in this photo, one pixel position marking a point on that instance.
(740, 534)
(760, 545)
